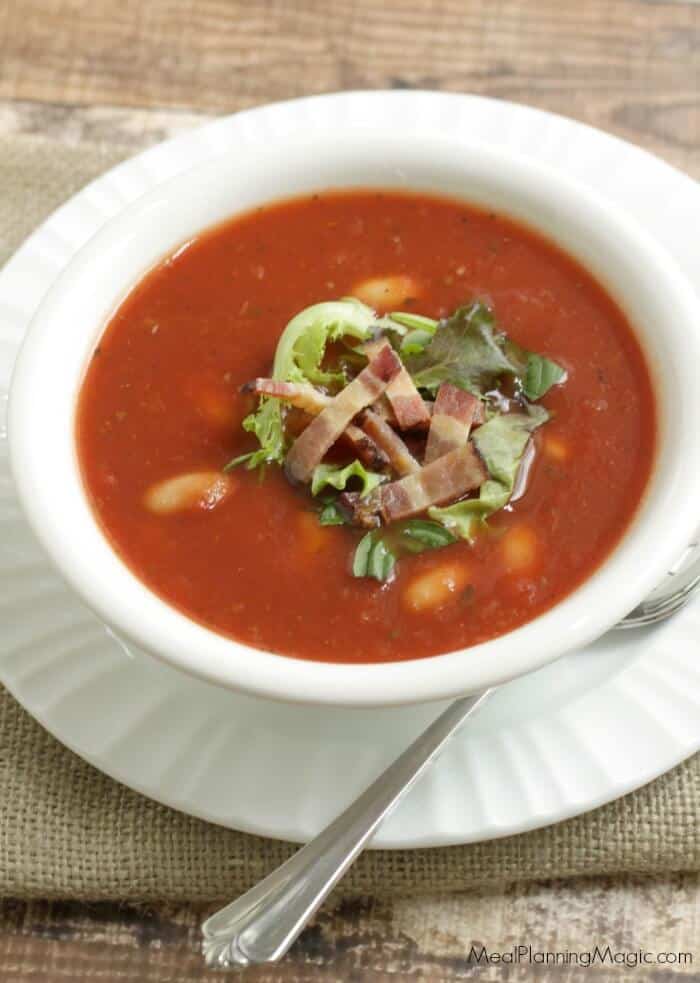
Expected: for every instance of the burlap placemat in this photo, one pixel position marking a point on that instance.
(67, 831)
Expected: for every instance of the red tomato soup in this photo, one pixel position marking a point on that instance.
(162, 399)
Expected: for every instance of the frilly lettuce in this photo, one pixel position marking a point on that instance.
(338, 477)
(299, 358)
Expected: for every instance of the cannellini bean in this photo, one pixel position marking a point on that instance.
(196, 489)
(520, 550)
(436, 587)
(386, 292)
(556, 448)
(215, 408)
(214, 399)
(314, 537)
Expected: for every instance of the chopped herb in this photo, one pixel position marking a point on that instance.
(330, 515)
(373, 558)
(377, 552)
(418, 535)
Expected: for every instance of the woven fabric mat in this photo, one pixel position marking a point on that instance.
(67, 831)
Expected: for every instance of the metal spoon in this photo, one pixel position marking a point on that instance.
(262, 924)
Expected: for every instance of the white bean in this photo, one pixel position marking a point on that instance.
(520, 549)
(386, 292)
(196, 489)
(436, 587)
(556, 448)
(313, 536)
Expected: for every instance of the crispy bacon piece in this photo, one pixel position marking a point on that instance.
(451, 422)
(311, 401)
(309, 448)
(405, 400)
(367, 450)
(444, 480)
(384, 409)
(300, 394)
(359, 511)
(399, 456)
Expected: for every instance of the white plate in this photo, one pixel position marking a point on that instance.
(574, 735)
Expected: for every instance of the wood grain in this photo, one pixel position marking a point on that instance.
(423, 940)
(629, 66)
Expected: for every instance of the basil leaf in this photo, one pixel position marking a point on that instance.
(330, 515)
(501, 442)
(338, 477)
(418, 535)
(373, 558)
(375, 555)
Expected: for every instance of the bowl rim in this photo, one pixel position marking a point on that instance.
(169, 634)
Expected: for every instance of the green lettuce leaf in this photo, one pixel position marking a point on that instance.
(541, 374)
(415, 342)
(501, 442)
(302, 345)
(536, 373)
(414, 322)
(467, 351)
(338, 477)
(298, 358)
(266, 424)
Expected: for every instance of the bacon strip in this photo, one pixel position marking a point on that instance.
(366, 448)
(300, 394)
(405, 400)
(400, 458)
(359, 511)
(307, 398)
(444, 480)
(451, 422)
(384, 409)
(309, 448)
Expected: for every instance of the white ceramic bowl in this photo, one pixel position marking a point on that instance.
(659, 302)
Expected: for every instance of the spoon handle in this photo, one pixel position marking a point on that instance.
(680, 584)
(262, 924)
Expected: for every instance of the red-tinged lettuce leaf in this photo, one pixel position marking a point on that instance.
(467, 350)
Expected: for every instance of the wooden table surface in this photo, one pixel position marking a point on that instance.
(133, 72)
